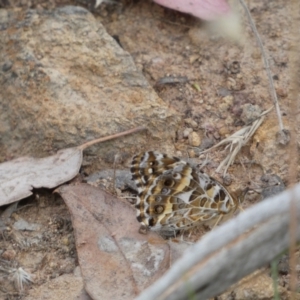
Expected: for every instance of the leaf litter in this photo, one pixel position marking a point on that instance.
(117, 262)
(19, 176)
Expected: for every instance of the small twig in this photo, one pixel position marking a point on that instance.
(266, 63)
(111, 137)
(293, 149)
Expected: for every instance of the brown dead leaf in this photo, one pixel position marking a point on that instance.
(117, 262)
(19, 176)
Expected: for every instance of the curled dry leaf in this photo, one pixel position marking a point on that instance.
(19, 176)
(117, 262)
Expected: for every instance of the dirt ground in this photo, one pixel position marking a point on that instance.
(207, 78)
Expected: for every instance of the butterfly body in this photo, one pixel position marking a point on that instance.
(173, 195)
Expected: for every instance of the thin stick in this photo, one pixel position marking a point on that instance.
(293, 152)
(266, 63)
(111, 137)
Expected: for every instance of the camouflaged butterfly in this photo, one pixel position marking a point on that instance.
(173, 195)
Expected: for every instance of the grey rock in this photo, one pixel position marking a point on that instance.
(24, 225)
(273, 186)
(65, 81)
(250, 113)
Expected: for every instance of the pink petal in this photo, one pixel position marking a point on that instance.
(204, 9)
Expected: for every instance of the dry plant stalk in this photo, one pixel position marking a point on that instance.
(111, 137)
(241, 137)
(266, 64)
(236, 141)
(294, 92)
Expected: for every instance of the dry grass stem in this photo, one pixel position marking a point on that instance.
(266, 64)
(294, 93)
(236, 141)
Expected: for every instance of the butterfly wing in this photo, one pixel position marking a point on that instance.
(173, 195)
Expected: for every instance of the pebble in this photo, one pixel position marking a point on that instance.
(178, 154)
(187, 131)
(194, 139)
(191, 122)
(207, 143)
(224, 131)
(250, 113)
(9, 254)
(227, 180)
(228, 100)
(192, 153)
(179, 134)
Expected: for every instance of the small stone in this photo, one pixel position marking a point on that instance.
(9, 254)
(223, 107)
(273, 185)
(233, 67)
(228, 100)
(178, 154)
(187, 131)
(281, 92)
(191, 122)
(227, 180)
(194, 139)
(229, 120)
(65, 241)
(283, 265)
(193, 58)
(224, 131)
(192, 153)
(207, 143)
(231, 83)
(283, 137)
(7, 66)
(250, 113)
(179, 134)
(223, 92)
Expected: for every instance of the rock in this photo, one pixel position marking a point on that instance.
(250, 113)
(191, 122)
(187, 131)
(228, 100)
(179, 134)
(24, 225)
(227, 180)
(207, 143)
(191, 153)
(224, 131)
(9, 254)
(194, 139)
(64, 81)
(273, 186)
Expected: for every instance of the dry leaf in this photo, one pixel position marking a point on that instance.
(19, 176)
(117, 262)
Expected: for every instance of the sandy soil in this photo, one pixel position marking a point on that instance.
(207, 78)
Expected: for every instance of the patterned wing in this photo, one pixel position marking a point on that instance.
(173, 195)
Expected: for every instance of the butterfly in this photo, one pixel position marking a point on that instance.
(173, 195)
